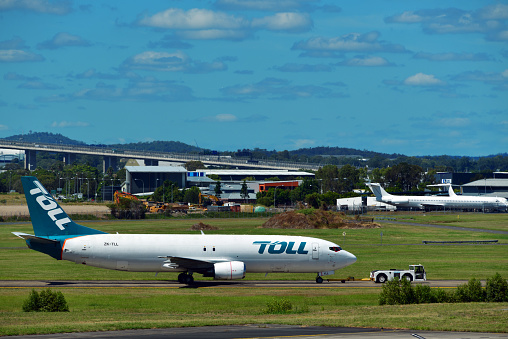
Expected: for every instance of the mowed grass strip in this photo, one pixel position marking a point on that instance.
(102, 309)
(97, 309)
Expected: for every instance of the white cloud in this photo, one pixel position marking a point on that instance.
(453, 122)
(488, 20)
(65, 124)
(204, 24)
(19, 56)
(42, 6)
(63, 39)
(451, 56)
(301, 143)
(175, 18)
(289, 22)
(366, 61)
(421, 79)
(225, 118)
(171, 62)
(352, 42)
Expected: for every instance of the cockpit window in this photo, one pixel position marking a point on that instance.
(335, 248)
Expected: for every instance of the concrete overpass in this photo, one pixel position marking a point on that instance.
(111, 156)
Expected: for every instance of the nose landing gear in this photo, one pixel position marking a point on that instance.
(319, 280)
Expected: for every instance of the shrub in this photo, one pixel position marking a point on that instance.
(32, 304)
(391, 294)
(496, 289)
(424, 295)
(46, 301)
(275, 306)
(470, 292)
(442, 296)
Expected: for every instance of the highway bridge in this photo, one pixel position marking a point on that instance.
(151, 158)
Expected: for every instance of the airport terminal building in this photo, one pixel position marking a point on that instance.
(144, 180)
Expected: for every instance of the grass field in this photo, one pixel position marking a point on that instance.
(121, 308)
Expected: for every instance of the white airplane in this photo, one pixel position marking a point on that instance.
(452, 201)
(219, 256)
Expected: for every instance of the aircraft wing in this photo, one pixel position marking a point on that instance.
(188, 263)
(432, 205)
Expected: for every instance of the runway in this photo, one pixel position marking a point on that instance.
(209, 284)
(270, 331)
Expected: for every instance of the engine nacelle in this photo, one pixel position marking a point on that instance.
(229, 270)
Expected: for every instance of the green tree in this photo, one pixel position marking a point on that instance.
(191, 195)
(194, 165)
(329, 176)
(348, 176)
(244, 191)
(217, 189)
(404, 177)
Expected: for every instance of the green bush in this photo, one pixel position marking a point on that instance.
(391, 293)
(46, 301)
(442, 296)
(424, 295)
(496, 289)
(470, 292)
(400, 292)
(276, 306)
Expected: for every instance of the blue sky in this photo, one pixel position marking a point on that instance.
(410, 77)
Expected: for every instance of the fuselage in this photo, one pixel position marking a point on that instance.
(150, 252)
(447, 202)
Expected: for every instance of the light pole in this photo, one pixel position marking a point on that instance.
(87, 189)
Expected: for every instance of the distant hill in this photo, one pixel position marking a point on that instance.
(180, 147)
(340, 152)
(44, 138)
(159, 146)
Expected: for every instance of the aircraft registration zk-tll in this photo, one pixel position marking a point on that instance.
(450, 201)
(224, 257)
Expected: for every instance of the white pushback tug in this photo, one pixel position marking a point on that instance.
(414, 273)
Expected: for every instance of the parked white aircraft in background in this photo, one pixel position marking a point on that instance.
(218, 256)
(452, 201)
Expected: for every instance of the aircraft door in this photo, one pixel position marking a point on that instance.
(315, 250)
(85, 254)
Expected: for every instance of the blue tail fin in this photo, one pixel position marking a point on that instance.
(48, 218)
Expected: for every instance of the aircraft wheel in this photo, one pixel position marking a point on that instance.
(181, 278)
(407, 277)
(189, 279)
(381, 278)
(319, 280)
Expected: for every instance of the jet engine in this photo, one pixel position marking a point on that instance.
(229, 270)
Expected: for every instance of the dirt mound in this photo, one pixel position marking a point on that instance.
(317, 219)
(203, 227)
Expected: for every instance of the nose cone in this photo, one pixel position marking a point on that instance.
(351, 258)
(347, 258)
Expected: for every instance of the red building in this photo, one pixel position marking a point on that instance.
(279, 184)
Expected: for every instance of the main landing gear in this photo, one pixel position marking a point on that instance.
(319, 280)
(186, 278)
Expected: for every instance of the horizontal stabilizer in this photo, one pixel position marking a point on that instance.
(34, 238)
